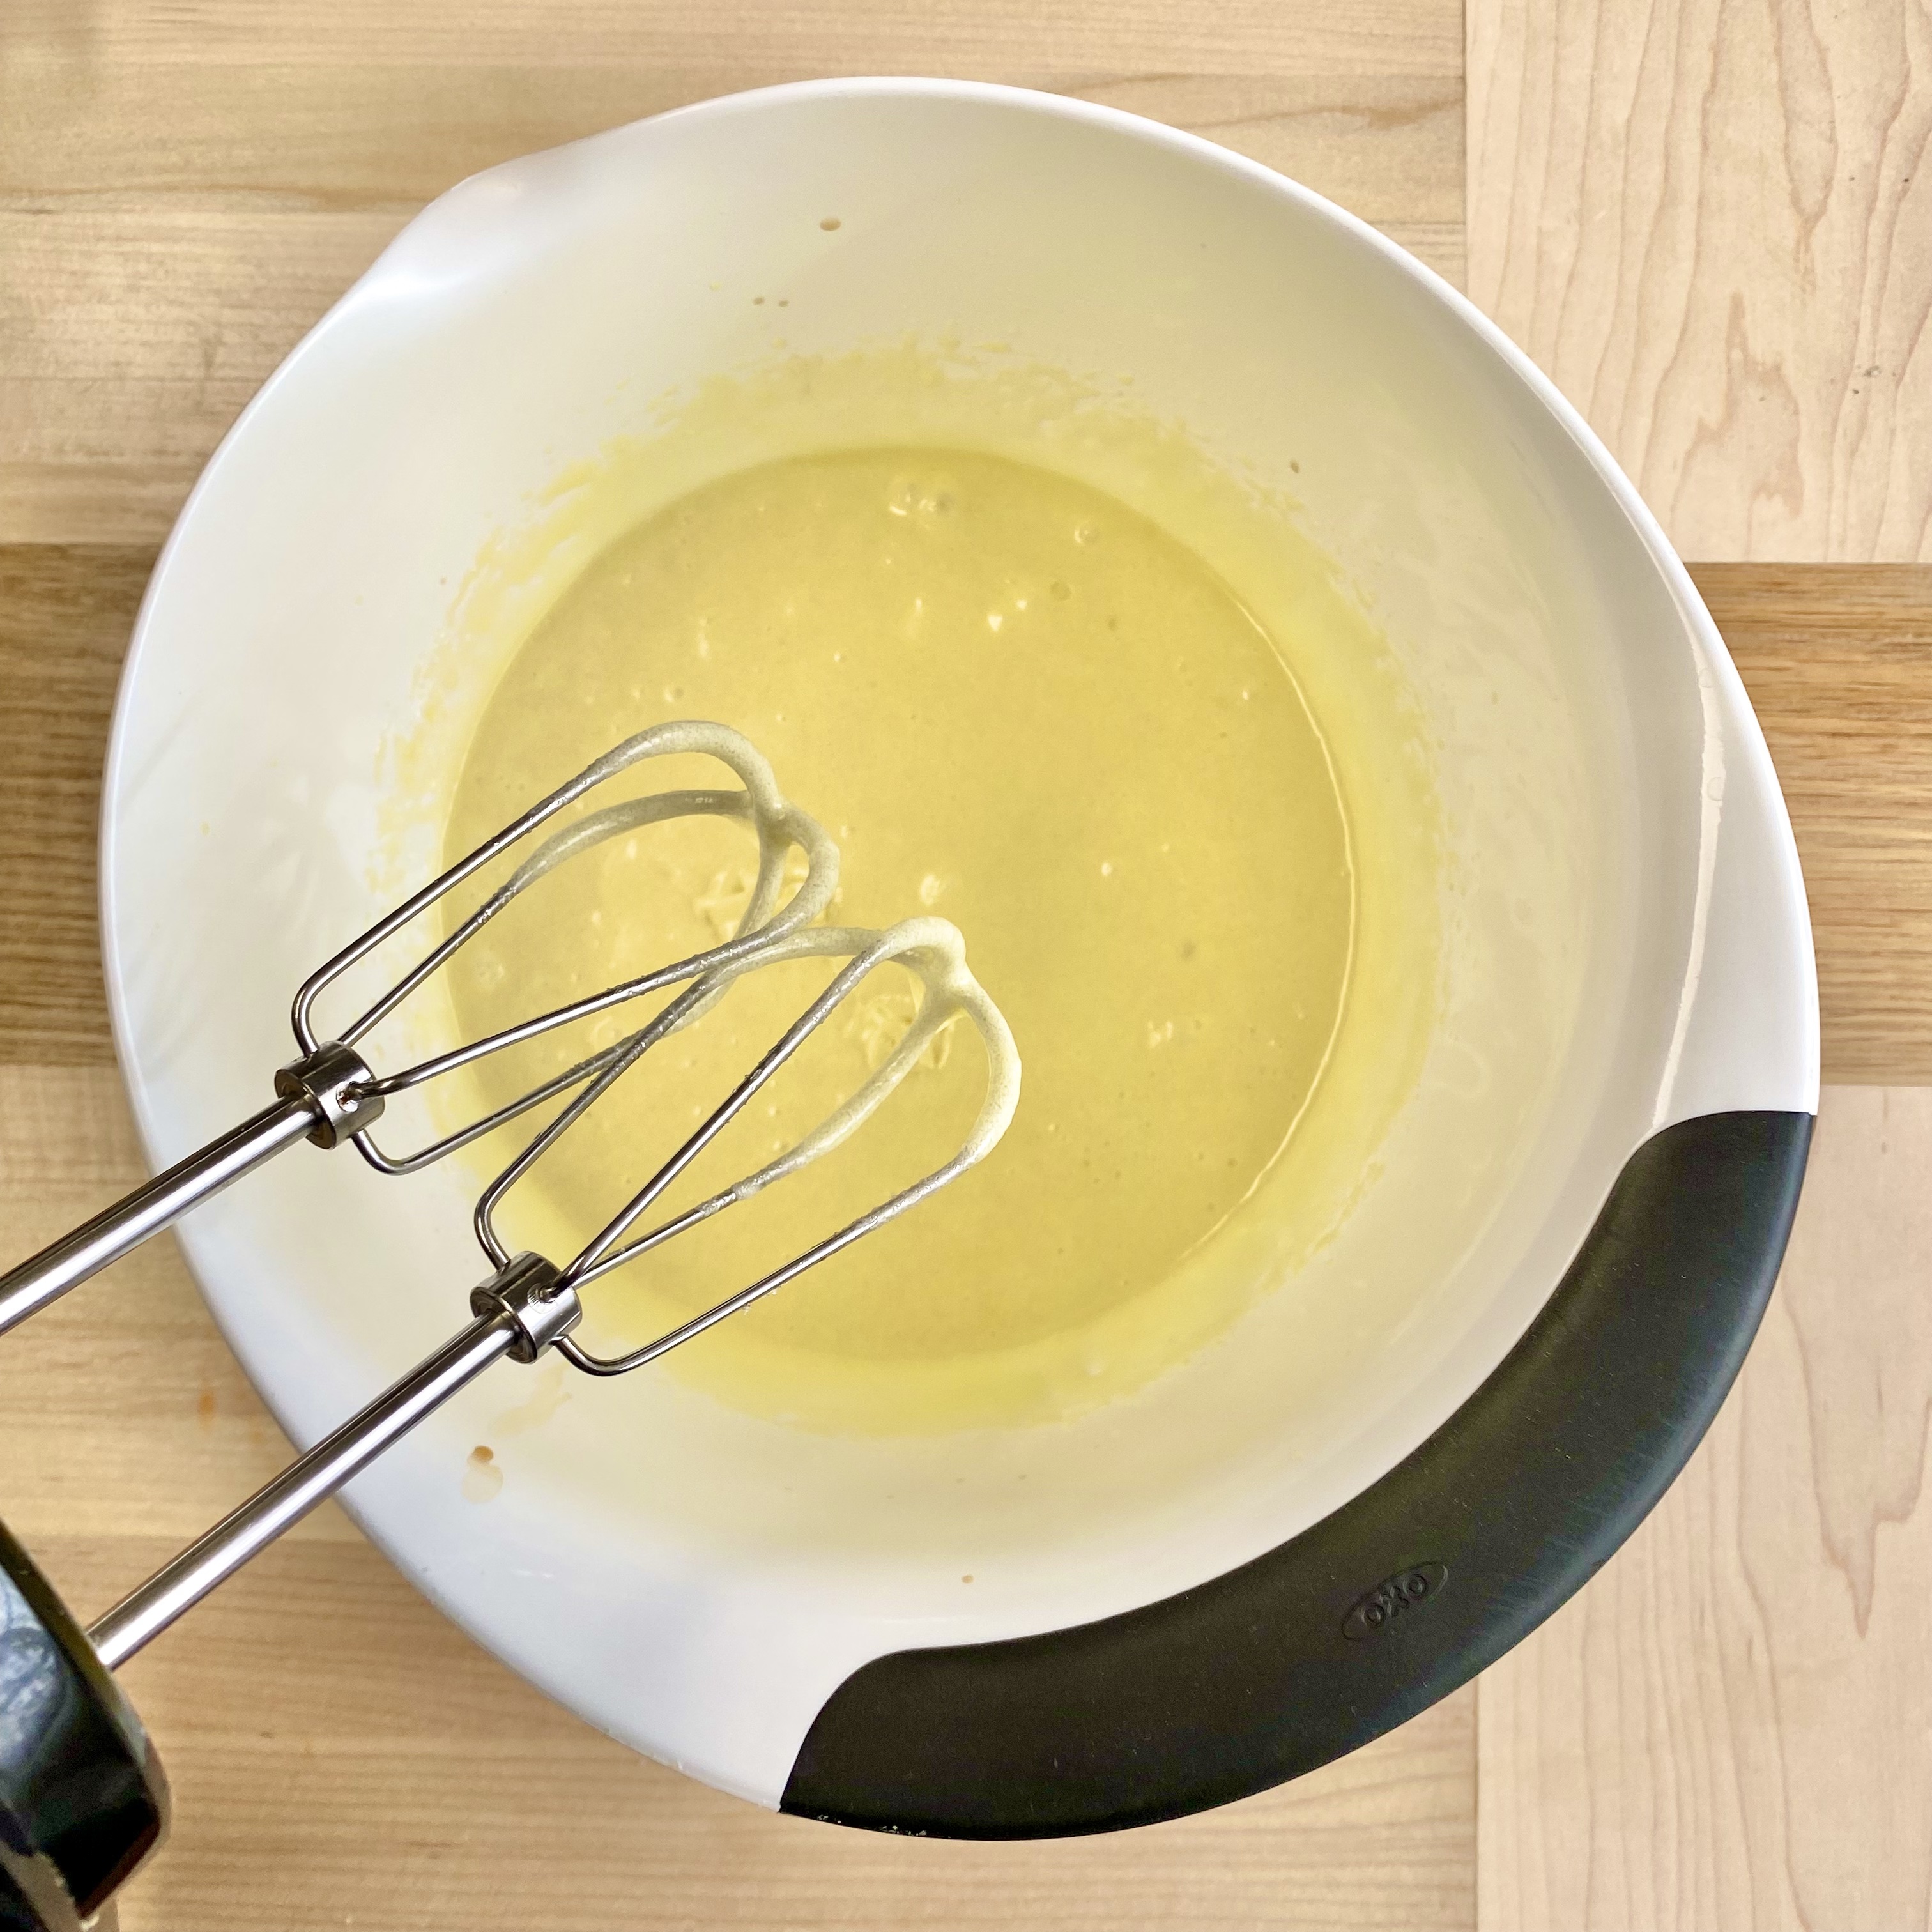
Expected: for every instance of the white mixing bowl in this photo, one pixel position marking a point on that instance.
(1250, 1565)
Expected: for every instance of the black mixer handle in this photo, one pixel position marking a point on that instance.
(82, 1797)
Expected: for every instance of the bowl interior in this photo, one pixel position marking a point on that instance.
(694, 1580)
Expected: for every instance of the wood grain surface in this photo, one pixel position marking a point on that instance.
(184, 190)
(1709, 220)
(1838, 659)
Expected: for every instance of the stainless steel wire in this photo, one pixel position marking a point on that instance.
(332, 1094)
(781, 828)
(935, 952)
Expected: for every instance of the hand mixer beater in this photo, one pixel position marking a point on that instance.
(83, 1799)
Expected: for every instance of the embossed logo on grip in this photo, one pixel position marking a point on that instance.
(1408, 1589)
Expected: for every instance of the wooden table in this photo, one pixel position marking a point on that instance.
(1711, 220)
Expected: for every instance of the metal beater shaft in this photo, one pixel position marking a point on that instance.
(317, 1104)
(520, 1312)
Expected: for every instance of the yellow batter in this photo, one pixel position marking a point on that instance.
(1016, 703)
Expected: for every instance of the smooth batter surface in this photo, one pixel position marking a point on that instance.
(1016, 703)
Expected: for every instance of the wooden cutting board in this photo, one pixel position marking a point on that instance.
(1701, 216)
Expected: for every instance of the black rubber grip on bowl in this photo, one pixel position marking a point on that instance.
(82, 1797)
(1401, 1596)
